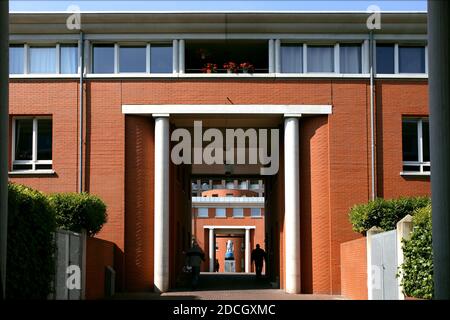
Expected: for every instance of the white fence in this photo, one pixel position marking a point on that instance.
(70, 262)
(384, 256)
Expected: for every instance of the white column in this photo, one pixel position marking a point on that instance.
(277, 56)
(271, 56)
(181, 56)
(161, 216)
(175, 56)
(247, 251)
(212, 248)
(292, 204)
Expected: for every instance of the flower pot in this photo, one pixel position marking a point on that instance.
(245, 71)
(208, 71)
(229, 71)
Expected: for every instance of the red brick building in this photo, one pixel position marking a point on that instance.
(342, 137)
(228, 211)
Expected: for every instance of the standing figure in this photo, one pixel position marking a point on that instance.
(229, 255)
(195, 256)
(216, 266)
(259, 256)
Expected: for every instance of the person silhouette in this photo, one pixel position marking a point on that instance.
(216, 266)
(195, 256)
(258, 256)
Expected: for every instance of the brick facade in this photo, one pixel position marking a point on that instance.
(334, 153)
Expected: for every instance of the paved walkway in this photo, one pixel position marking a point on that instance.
(226, 286)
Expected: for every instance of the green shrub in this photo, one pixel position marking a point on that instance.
(30, 264)
(417, 268)
(75, 211)
(384, 214)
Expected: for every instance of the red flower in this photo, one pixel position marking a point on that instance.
(230, 66)
(246, 66)
(209, 67)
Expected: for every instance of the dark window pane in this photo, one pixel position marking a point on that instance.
(411, 168)
(410, 140)
(132, 59)
(16, 56)
(426, 140)
(43, 167)
(385, 58)
(20, 167)
(24, 139)
(69, 59)
(161, 58)
(426, 168)
(411, 59)
(44, 145)
(350, 58)
(291, 58)
(103, 58)
(42, 59)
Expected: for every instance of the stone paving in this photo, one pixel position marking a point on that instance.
(226, 286)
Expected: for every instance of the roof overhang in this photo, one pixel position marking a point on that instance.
(218, 22)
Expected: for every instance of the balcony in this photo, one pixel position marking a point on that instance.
(227, 56)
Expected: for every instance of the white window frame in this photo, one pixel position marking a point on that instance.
(57, 46)
(147, 46)
(255, 216)
(421, 164)
(397, 72)
(33, 162)
(202, 215)
(238, 216)
(221, 216)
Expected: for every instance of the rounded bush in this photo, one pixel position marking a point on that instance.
(384, 214)
(77, 211)
(30, 260)
(417, 268)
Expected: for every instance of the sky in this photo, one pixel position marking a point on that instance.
(217, 5)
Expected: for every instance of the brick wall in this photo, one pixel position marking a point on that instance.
(139, 185)
(354, 269)
(99, 255)
(338, 151)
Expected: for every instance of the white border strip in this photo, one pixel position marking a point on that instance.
(229, 227)
(268, 109)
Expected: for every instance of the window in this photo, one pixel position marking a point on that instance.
(51, 59)
(202, 212)
(132, 59)
(416, 145)
(350, 58)
(42, 60)
(411, 59)
(291, 58)
(238, 212)
(103, 58)
(32, 144)
(161, 58)
(221, 212)
(256, 212)
(320, 58)
(385, 58)
(68, 59)
(16, 59)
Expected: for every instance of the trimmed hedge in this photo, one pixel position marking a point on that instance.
(30, 264)
(417, 268)
(77, 211)
(384, 214)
